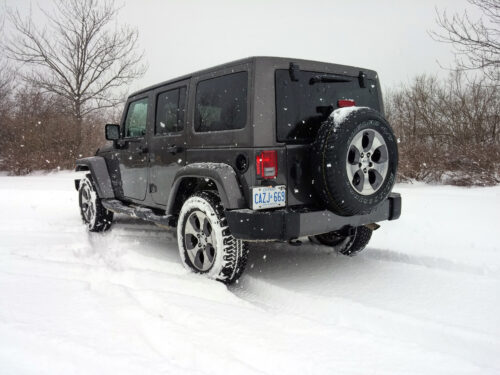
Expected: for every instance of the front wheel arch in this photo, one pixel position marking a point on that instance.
(98, 169)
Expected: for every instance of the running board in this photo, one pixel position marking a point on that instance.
(142, 213)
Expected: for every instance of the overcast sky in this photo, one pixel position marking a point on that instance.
(390, 37)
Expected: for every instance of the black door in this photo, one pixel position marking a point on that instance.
(167, 142)
(133, 153)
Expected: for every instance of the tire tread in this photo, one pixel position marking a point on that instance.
(235, 252)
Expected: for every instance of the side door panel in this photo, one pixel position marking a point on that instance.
(167, 139)
(133, 151)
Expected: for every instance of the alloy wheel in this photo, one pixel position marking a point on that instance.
(200, 241)
(367, 161)
(88, 204)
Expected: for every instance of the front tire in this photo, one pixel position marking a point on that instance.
(206, 245)
(94, 215)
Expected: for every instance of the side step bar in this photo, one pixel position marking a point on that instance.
(142, 213)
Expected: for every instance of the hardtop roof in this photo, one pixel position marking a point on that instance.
(251, 59)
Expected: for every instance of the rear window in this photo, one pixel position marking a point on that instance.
(301, 106)
(170, 111)
(221, 103)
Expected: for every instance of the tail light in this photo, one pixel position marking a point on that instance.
(266, 164)
(346, 103)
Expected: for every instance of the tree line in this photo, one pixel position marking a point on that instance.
(448, 130)
(59, 82)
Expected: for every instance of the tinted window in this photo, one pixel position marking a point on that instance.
(135, 122)
(221, 103)
(301, 106)
(170, 111)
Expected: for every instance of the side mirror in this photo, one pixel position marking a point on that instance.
(112, 132)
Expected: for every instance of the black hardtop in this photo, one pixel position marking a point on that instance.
(277, 62)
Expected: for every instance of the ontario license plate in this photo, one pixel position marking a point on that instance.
(268, 197)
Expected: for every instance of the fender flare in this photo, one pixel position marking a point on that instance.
(99, 171)
(224, 177)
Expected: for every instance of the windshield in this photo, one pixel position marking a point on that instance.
(301, 106)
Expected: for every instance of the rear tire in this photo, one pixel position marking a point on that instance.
(349, 245)
(94, 215)
(206, 245)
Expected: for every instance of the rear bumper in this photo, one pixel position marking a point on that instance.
(286, 224)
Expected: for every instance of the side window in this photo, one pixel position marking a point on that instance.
(135, 122)
(170, 111)
(221, 103)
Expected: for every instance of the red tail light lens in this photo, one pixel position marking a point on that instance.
(346, 103)
(266, 164)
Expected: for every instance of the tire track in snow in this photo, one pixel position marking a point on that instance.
(439, 263)
(298, 281)
(382, 324)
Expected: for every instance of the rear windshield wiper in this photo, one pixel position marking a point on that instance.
(328, 78)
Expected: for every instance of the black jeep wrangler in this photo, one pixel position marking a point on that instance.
(260, 149)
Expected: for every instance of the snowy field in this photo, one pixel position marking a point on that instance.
(424, 298)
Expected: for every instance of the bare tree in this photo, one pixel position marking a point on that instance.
(476, 42)
(81, 54)
(6, 79)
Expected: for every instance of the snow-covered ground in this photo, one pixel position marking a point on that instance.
(424, 298)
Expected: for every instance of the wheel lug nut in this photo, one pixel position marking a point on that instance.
(362, 155)
(371, 164)
(368, 155)
(364, 170)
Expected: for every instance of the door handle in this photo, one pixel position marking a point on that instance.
(173, 149)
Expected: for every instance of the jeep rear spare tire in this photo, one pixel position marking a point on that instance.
(354, 160)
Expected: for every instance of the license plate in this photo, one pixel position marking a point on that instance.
(268, 197)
